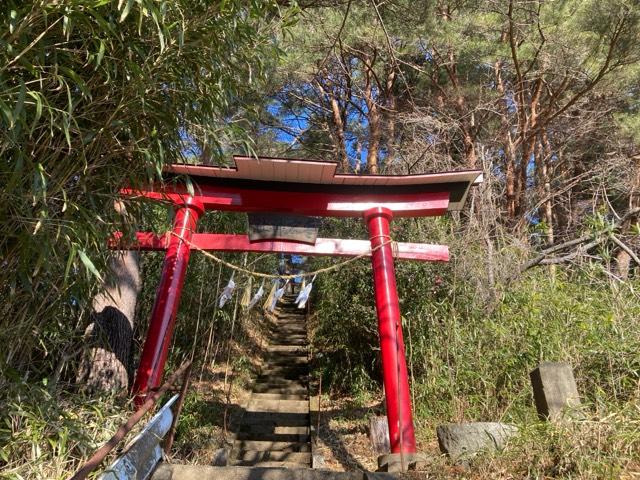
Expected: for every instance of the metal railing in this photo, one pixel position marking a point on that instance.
(145, 450)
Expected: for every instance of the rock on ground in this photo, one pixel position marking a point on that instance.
(463, 440)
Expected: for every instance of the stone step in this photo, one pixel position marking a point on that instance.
(277, 419)
(259, 456)
(255, 435)
(200, 472)
(295, 335)
(280, 382)
(283, 406)
(280, 430)
(287, 349)
(283, 352)
(285, 371)
(240, 446)
(283, 376)
(286, 363)
(289, 330)
(281, 396)
(270, 464)
(289, 358)
(280, 389)
(287, 340)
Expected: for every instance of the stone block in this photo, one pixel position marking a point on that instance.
(396, 463)
(463, 440)
(220, 457)
(317, 461)
(555, 391)
(379, 434)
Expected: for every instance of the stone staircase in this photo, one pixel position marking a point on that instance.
(273, 438)
(274, 431)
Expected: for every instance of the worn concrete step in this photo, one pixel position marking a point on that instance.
(296, 360)
(280, 389)
(283, 406)
(260, 456)
(282, 376)
(287, 349)
(289, 330)
(270, 464)
(289, 362)
(280, 396)
(295, 355)
(289, 357)
(280, 382)
(240, 446)
(277, 429)
(277, 419)
(254, 435)
(289, 335)
(293, 342)
(285, 371)
(201, 472)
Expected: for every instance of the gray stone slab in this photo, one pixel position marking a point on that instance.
(555, 391)
(464, 440)
(221, 457)
(396, 463)
(196, 472)
(265, 445)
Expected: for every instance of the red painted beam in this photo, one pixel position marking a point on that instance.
(324, 246)
(300, 202)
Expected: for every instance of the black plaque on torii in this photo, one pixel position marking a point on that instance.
(273, 226)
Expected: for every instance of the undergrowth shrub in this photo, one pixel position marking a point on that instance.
(46, 433)
(469, 358)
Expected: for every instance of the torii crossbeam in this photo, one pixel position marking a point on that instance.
(299, 187)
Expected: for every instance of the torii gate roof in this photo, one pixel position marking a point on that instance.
(322, 175)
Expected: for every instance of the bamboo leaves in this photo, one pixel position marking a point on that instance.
(95, 95)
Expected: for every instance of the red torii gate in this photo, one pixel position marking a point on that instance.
(310, 188)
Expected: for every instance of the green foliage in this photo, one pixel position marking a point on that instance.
(95, 95)
(469, 359)
(45, 432)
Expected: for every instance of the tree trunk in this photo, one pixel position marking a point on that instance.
(341, 149)
(390, 116)
(545, 178)
(106, 365)
(373, 115)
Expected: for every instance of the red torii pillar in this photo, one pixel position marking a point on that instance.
(165, 307)
(394, 365)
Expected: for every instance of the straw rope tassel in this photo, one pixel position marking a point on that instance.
(272, 292)
(246, 295)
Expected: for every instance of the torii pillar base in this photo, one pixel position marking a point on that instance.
(402, 439)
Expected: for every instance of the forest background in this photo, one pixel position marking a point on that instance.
(543, 96)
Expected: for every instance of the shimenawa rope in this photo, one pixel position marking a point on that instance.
(394, 248)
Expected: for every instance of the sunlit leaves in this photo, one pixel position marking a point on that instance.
(98, 94)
